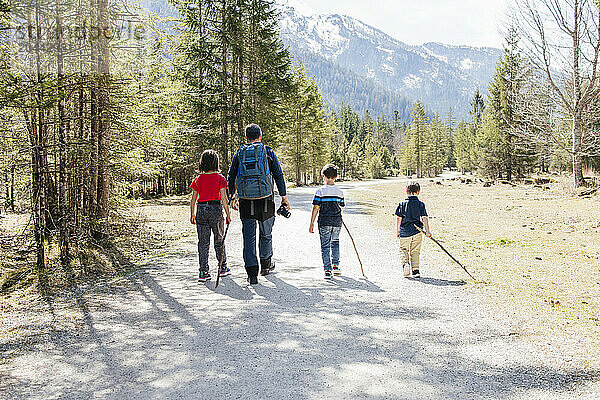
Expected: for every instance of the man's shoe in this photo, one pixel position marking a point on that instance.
(328, 274)
(252, 274)
(203, 276)
(266, 267)
(224, 272)
(416, 274)
(337, 270)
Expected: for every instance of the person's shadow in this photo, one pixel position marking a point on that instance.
(230, 287)
(437, 282)
(345, 282)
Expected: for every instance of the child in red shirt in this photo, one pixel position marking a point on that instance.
(209, 198)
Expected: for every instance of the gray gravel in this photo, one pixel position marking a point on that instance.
(160, 334)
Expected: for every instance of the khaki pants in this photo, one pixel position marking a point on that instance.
(411, 247)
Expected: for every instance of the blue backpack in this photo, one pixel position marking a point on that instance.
(254, 180)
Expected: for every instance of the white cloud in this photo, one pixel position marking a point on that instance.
(468, 22)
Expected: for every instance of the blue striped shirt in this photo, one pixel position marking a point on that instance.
(330, 200)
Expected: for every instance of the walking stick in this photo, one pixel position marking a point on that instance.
(222, 257)
(354, 244)
(446, 251)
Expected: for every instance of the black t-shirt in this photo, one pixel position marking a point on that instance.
(411, 210)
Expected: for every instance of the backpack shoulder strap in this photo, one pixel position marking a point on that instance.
(242, 153)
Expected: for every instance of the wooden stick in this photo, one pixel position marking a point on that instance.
(354, 244)
(446, 251)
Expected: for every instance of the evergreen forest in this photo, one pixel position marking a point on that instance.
(102, 104)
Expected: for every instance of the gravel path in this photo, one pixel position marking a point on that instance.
(160, 334)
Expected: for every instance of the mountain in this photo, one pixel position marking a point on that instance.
(339, 85)
(359, 65)
(441, 76)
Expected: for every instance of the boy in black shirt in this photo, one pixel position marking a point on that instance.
(409, 213)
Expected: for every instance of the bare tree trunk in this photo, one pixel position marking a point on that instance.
(83, 170)
(419, 161)
(38, 195)
(577, 120)
(103, 103)
(63, 212)
(92, 185)
(224, 83)
(299, 149)
(12, 188)
(577, 151)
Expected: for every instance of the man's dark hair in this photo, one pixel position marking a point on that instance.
(330, 171)
(253, 132)
(209, 161)
(413, 187)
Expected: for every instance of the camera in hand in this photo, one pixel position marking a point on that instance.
(283, 211)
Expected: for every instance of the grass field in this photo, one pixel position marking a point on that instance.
(536, 249)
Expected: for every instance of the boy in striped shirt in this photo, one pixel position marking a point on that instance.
(328, 204)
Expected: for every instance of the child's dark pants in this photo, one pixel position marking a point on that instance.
(209, 217)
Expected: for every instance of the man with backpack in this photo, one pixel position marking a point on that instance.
(253, 170)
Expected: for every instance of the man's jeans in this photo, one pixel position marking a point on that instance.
(209, 217)
(330, 245)
(265, 240)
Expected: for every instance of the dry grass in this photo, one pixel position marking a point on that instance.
(537, 249)
(127, 242)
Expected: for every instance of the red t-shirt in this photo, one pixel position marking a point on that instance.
(209, 186)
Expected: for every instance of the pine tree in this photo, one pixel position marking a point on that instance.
(346, 122)
(502, 151)
(450, 122)
(307, 132)
(413, 152)
(465, 136)
(235, 69)
(465, 142)
(436, 149)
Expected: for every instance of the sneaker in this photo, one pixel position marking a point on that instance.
(253, 280)
(337, 270)
(406, 270)
(416, 274)
(328, 274)
(224, 272)
(203, 276)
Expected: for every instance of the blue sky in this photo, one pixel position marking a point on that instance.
(467, 22)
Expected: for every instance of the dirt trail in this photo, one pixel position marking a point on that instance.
(160, 334)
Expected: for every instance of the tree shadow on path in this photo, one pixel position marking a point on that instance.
(299, 344)
(287, 295)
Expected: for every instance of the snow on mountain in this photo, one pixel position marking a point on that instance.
(441, 76)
